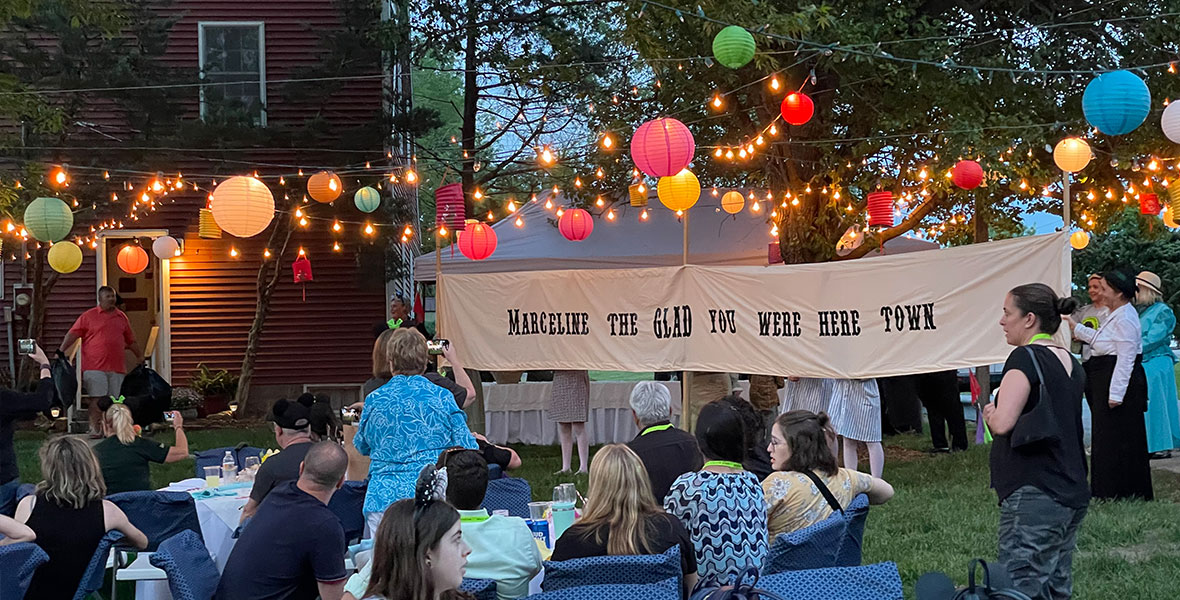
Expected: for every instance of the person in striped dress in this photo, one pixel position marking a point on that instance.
(807, 393)
(855, 410)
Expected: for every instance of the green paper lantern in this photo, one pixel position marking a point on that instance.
(48, 219)
(367, 199)
(733, 47)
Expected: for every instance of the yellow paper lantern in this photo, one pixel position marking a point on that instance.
(242, 206)
(733, 202)
(207, 226)
(1079, 240)
(1072, 154)
(1174, 197)
(65, 257)
(324, 187)
(132, 259)
(1169, 218)
(638, 194)
(680, 191)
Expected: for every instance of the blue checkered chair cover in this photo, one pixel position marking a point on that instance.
(159, 515)
(511, 494)
(97, 568)
(814, 547)
(602, 570)
(870, 582)
(854, 516)
(348, 505)
(482, 589)
(668, 589)
(192, 575)
(214, 456)
(25, 489)
(18, 562)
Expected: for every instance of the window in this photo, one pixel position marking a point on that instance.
(233, 61)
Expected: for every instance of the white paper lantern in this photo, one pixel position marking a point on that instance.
(166, 247)
(242, 206)
(1170, 122)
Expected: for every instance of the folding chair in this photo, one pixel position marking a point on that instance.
(609, 570)
(870, 582)
(509, 493)
(814, 547)
(348, 505)
(96, 569)
(18, 562)
(159, 515)
(482, 589)
(668, 589)
(192, 575)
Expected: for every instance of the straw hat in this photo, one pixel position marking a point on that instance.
(1151, 281)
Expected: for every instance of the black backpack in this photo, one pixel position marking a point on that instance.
(997, 585)
(742, 589)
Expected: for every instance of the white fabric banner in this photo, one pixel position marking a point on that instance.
(893, 315)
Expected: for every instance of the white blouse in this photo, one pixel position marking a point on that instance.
(1121, 336)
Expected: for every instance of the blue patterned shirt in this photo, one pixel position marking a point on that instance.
(725, 514)
(404, 426)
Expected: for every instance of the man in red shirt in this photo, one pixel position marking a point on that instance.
(105, 332)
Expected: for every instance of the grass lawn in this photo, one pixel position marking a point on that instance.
(943, 514)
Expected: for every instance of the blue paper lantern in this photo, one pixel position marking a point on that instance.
(367, 199)
(1116, 102)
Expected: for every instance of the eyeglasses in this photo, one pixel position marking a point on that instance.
(776, 443)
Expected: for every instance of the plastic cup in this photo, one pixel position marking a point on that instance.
(212, 476)
(537, 510)
(253, 462)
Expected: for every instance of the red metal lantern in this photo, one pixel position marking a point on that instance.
(797, 108)
(448, 206)
(477, 241)
(575, 224)
(1149, 204)
(301, 269)
(967, 174)
(880, 206)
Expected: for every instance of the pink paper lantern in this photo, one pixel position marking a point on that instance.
(575, 224)
(880, 206)
(477, 241)
(448, 206)
(662, 148)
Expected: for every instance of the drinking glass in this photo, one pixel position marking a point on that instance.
(253, 462)
(213, 476)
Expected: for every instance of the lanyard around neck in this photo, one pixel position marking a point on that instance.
(725, 463)
(474, 519)
(1040, 336)
(656, 428)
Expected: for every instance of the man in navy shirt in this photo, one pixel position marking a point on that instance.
(293, 549)
(666, 452)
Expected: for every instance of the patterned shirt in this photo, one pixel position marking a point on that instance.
(725, 514)
(404, 426)
(795, 502)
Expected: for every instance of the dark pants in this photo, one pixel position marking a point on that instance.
(901, 412)
(939, 393)
(1037, 540)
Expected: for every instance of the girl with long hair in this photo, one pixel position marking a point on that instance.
(69, 517)
(419, 552)
(802, 455)
(125, 457)
(622, 516)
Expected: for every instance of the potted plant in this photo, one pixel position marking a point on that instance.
(217, 387)
(188, 401)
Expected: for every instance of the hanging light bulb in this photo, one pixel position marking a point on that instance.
(716, 103)
(599, 202)
(336, 226)
(717, 153)
(642, 189)
(303, 222)
(60, 177)
(145, 198)
(773, 129)
(511, 206)
(233, 252)
(643, 215)
(755, 207)
(106, 175)
(577, 182)
(302, 252)
(442, 231)
(491, 217)
(729, 154)
(607, 141)
(680, 213)
(599, 173)
(546, 157)
(560, 211)
(519, 222)
(477, 194)
(411, 177)
(369, 229)
(336, 246)
(548, 204)
(774, 84)
(610, 215)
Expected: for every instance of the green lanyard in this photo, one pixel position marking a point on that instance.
(1040, 336)
(724, 463)
(394, 323)
(474, 519)
(656, 428)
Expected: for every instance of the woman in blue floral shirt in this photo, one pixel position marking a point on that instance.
(405, 424)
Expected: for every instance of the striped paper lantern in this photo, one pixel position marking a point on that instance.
(1149, 204)
(207, 226)
(242, 206)
(638, 194)
(1174, 198)
(324, 187)
(680, 191)
(448, 206)
(1170, 122)
(733, 202)
(48, 219)
(477, 241)
(366, 199)
(733, 47)
(662, 147)
(1116, 102)
(880, 207)
(132, 259)
(575, 224)
(1072, 154)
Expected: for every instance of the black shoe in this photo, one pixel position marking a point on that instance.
(939, 451)
(1160, 455)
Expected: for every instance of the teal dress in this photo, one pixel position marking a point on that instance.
(1163, 408)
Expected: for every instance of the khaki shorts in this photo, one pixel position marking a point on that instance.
(101, 383)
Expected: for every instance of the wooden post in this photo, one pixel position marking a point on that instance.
(688, 417)
(982, 374)
(1065, 213)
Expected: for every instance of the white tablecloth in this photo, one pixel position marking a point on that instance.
(218, 517)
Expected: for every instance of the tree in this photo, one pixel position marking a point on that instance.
(902, 91)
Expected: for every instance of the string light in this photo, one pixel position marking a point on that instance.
(548, 204)
(610, 215)
(442, 231)
(577, 182)
(546, 156)
(511, 206)
(599, 202)
(336, 246)
(302, 252)
(60, 177)
(643, 215)
(369, 229)
(408, 231)
(560, 211)
(519, 222)
(336, 226)
(600, 173)
(303, 222)
(716, 103)
(411, 177)
(477, 194)
(233, 252)
(608, 142)
(491, 217)
(774, 84)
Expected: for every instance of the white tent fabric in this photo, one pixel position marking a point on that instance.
(715, 239)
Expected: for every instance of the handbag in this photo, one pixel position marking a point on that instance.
(1037, 426)
(743, 588)
(997, 585)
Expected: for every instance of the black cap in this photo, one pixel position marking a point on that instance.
(290, 415)
(1122, 280)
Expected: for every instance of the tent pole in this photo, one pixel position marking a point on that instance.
(1065, 201)
(687, 416)
(437, 285)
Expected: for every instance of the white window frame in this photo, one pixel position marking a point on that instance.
(201, 25)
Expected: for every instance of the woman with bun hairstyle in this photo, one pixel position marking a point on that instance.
(801, 452)
(1038, 459)
(125, 456)
(1116, 389)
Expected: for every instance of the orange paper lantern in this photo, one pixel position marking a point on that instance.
(324, 186)
(132, 259)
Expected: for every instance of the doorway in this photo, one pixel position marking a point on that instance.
(144, 295)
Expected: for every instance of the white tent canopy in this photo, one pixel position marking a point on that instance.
(715, 239)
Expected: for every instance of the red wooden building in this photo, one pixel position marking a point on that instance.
(318, 335)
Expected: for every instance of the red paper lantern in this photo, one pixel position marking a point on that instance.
(448, 206)
(880, 205)
(477, 241)
(967, 174)
(575, 224)
(132, 259)
(1149, 204)
(301, 270)
(797, 108)
(662, 147)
